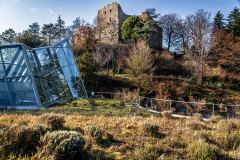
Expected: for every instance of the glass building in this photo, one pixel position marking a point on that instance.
(37, 78)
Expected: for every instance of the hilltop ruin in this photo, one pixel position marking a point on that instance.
(110, 19)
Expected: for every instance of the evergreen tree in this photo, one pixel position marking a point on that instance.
(34, 28)
(8, 36)
(49, 31)
(77, 24)
(34, 35)
(234, 22)
(31, 40)
(218, 22)
(60, 26)
(131, 27)
(86, 64)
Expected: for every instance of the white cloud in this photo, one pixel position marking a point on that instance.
(51, 11)
(42, 10)
(33, 9)
(15, 0)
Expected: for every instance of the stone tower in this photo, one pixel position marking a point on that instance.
(110, 19)
(156, 32)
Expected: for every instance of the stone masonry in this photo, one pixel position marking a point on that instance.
(110, 19)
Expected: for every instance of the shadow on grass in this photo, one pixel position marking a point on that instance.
(106, 143)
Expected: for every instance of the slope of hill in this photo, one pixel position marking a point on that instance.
(107, 129)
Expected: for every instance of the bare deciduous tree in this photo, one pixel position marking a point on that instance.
(182, 35)
(103, 55)
(169, 24)
(140, 62)
(199, 29)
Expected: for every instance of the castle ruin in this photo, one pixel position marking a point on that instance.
(110, 19)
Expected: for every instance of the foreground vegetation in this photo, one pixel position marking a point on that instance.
(107, 129)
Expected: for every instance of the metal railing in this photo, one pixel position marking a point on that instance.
(178, 107)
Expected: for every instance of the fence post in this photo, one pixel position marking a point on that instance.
(197, 106)
(146, 103)
(151, 104)
(213, 109)
(170, 105)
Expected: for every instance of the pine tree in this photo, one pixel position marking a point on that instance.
(234, 22)
(49, 31)
(218, 22)
(34, 29)
(8, 36)
(60, 27)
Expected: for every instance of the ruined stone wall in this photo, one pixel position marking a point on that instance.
(156, 33)
(110, 20)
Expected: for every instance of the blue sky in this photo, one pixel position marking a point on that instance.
(18, 14)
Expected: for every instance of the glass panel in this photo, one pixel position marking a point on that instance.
(69, 53)
(42, 90)
(61, 56)
(34, 62)
(21, 90)
(14, 62)
(1, 70)
(75, 70)
(10, 54)
(4, 99)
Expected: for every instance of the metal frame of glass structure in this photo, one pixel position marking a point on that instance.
(40, 77)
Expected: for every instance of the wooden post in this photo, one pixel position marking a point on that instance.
(213, 109)
(151, 104)
(170, 105)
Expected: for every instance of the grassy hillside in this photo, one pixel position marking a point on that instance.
(107, 129)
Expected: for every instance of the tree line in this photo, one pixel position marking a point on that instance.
(192, 36)
(176, 29)
(37, 36)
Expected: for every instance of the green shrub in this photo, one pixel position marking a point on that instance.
(41, 128)
(62, 145)
(147, 153)
(95, 132)
(200, 150)
(95, 154)
(53, 121)
(109, 137)
(15, 157)
(74, 104)
(150, 129)
(92, 102)
(19, 140)
(131, 27)
(86, 64)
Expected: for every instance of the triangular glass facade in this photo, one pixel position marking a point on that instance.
(37, 78)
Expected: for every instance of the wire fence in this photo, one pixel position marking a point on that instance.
(177, 107)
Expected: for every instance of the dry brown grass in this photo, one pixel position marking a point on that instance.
(127, 137)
